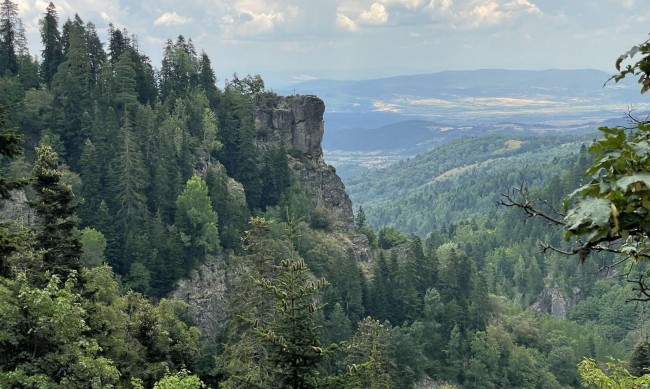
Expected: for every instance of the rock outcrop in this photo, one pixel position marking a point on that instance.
(297, 121)
(16, 209)
(205, 293)
(555, 301)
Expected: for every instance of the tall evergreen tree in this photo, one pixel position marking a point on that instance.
(55, 209)
(91, 188)
(291, 337)
(118, 42)
(640, 358)
(128, 177)
(68, 26)
(96, 55)
(70, 87)
(52, 54)
(9, 24)
(124, 88)
(208, 81)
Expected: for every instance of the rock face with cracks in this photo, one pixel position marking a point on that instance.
(297, 121)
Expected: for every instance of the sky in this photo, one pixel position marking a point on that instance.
(287, 41)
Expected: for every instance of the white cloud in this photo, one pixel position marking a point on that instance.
(249, 18)
(487, 14)
(474, 14)
(171, 19)
(346, 23)
(375, 16)
(250, 23)
(408, 4)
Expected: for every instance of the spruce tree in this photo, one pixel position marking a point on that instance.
(208, 80)
(55, 209)
(291, 337)
(8, 35)
(96, 55)
(70, 88)
(124, 85)
(52, 54)
(640, 358)
(129, 181)
(91, 188)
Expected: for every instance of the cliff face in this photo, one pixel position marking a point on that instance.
(297, 121)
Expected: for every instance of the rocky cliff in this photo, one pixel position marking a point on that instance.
(297, 121)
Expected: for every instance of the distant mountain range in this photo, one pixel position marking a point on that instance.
(406, 115)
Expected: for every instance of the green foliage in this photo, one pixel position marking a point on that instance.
(276, 176)
(9, 25)
(9, 148)
(615, 200)
(93, 245)
(462, 180)
(360, 219)
(640, 358)
(614, 375)
(247, 85)
(197, 222)
(390, 237)
(43, 339)
(180, 380)
(370, 353)
(55, 207)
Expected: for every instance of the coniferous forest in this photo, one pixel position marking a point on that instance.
(157, 231)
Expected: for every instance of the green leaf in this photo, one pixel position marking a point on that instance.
(589, 213)
(625, 182)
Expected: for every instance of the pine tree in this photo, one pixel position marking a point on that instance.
(128, 178)
(196, 222)
(232, 211)
(9, 24)
(208, 81)
(381, 294)
(276, 176)
(124, 88)
(118, 42)
(68, 26)
(370, 355)
(360, 220)
(9, 148)
(640, 358)
(52, 54)
(55, 209)
(70, 88)
(291, 337)
(96, 55)
(91, 189)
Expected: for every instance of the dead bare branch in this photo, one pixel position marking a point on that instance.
(509, 199)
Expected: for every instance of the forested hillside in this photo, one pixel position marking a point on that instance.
(462, 180)
(157, 231)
